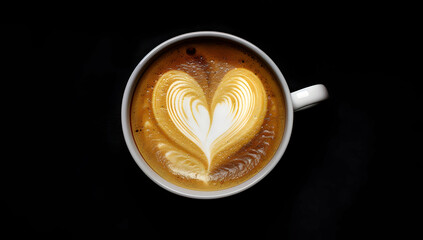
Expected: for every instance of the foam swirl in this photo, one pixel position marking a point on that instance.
(238, 108)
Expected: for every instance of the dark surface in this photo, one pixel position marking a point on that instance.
(350, 170)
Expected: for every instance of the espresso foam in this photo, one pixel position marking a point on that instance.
(208, 118)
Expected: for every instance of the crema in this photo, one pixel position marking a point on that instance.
(207, 114)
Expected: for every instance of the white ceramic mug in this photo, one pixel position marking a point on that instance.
(295, 101)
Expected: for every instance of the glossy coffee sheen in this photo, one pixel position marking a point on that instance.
(207, 115)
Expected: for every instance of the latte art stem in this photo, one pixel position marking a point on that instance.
(234, 116)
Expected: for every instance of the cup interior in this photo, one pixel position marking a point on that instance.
(126, 126)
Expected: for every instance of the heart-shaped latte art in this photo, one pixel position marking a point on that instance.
(214, 130)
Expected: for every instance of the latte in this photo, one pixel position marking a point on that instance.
(207, 115)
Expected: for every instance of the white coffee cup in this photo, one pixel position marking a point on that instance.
(295, 101)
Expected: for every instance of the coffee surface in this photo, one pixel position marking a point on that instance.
(207, 115)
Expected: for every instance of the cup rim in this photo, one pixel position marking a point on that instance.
(130, 142)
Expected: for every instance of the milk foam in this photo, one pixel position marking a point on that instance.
(238, 108)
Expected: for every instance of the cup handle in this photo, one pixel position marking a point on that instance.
(308, 97)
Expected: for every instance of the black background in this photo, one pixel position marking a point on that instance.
(350, 171)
